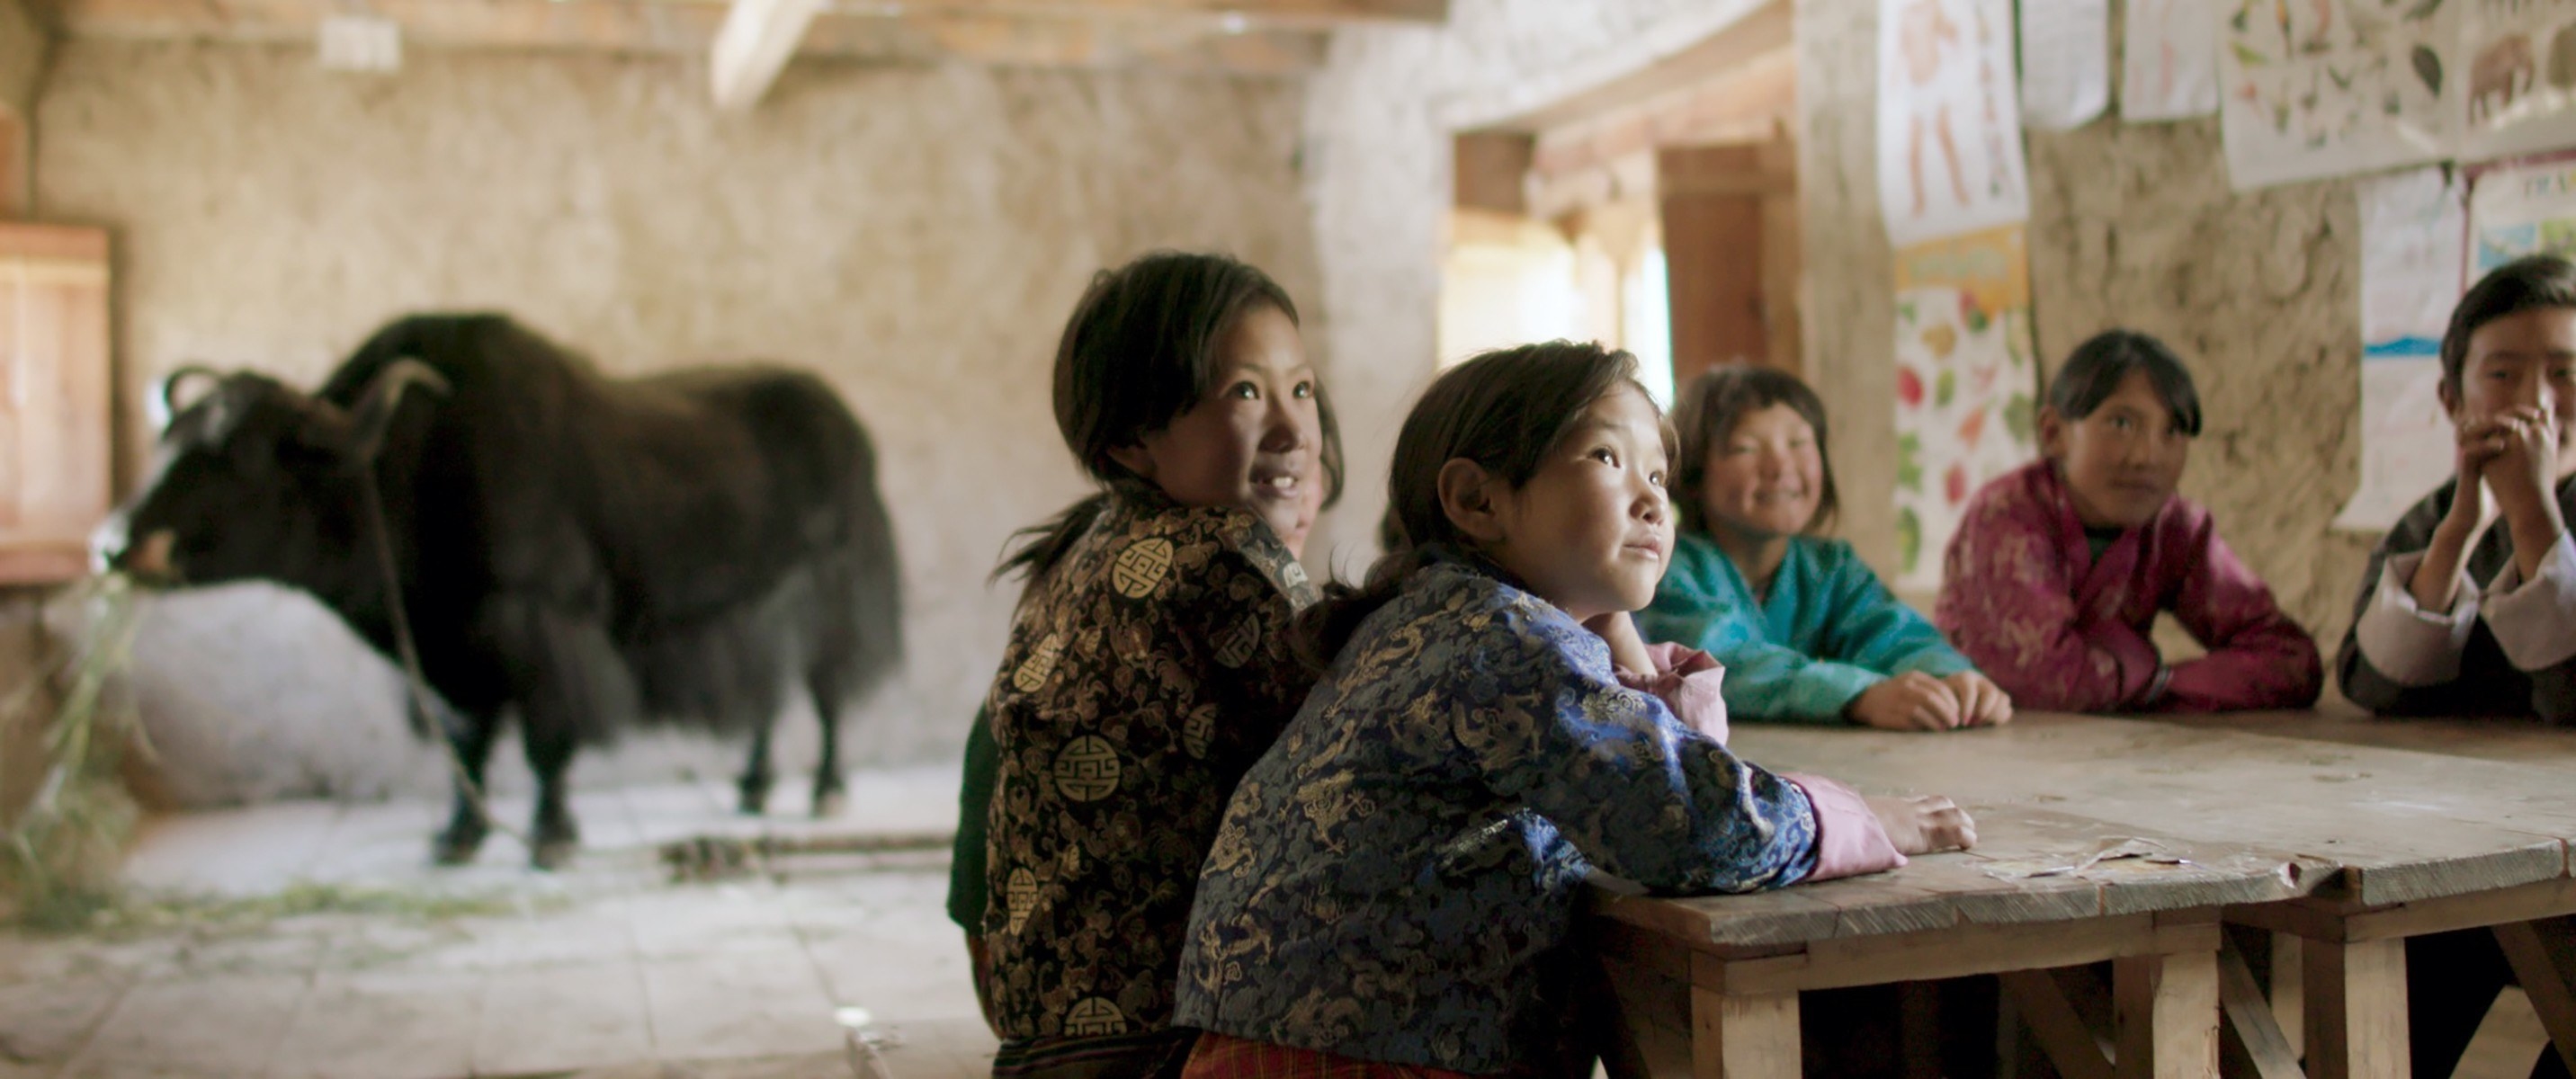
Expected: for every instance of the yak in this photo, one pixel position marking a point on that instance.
(590, 554)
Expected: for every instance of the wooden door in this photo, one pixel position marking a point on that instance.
(54, 399)
(1730, 253)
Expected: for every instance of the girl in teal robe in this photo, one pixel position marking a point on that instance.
(1806, 631)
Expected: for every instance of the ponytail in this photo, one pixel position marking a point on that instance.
(1042, 545)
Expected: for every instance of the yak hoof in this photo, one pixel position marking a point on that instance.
(755, 797)
(830, 803)
(553, 854)
(456, 846)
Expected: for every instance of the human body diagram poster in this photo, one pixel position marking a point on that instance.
(2413, 231)
(1965, 384)
(1949, 123)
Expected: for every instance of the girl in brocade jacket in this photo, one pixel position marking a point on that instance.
(2059, 569)
(1393, 888)
(1149, 661)
(1806, 632)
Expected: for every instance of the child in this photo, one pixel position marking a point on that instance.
(1396, 880)
(2427, 638)
(2059, 568)
(967, 862)
(1804, 629)
(1149, 661)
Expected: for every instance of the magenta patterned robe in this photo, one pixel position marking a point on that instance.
(2022, 597)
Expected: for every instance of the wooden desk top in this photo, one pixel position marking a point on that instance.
(2219, 816)
(2400, 824)
(2522, 740)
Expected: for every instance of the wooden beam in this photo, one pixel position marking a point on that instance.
(2543, 955)
(682, 27)
(753, 46)
(1490, 171)
(1271, 12)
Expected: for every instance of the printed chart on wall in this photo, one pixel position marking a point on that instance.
(2169, 69)
(2520, 92)
(2413, 233)
(2524, 207)
(1949, 123)
(2316, 88)
(1964, 385)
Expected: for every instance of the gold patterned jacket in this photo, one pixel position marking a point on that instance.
(1147, 669)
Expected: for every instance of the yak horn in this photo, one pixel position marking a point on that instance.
(374, 413)
(168, 396)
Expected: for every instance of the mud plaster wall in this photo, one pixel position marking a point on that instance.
(917, 235)
(2131, 225)
(22, 56)
(1379, 121)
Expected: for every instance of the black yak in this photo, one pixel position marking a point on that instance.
(589, 553)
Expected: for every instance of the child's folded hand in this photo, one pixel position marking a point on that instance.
(1912, 701)
(1924, 824)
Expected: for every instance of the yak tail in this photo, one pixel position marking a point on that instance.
(868, 578)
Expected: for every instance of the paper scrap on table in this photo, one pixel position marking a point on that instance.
(2107, 850)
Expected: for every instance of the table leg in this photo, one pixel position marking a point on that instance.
(2167, 1012)
(1744, 1036)
(2356, 1009)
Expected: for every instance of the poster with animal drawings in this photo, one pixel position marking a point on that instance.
(2317, 88)
(1965, 385)
(1949, 119)
(2519, 63)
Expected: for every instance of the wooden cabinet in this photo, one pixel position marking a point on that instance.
(55, 399)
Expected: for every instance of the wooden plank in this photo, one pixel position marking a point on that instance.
(2516, 739)
(2252, 1028)
(1490, 171)
(2167, 1009)
(2356, 1010)
(2543, 955)
(2070, 1043)
(1744, 1036)
(753, 46)
(2290, 991)
(1654, 1021)
(2343, 920)
(1948, 953)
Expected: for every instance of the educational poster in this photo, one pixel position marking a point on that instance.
(2169, 70)
(2316, 88)
(2414, 230)
(1949, 123)
(1965, 385)
(2065, 63)
(2519, 208)
(2519, 62)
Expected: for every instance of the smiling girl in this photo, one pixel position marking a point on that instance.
(1805, 630)
(2427, 637)
(2059, 568)
(1149, 662)
(1396, 881)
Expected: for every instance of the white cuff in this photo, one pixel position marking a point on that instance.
(2535, 620)
(2411, 646)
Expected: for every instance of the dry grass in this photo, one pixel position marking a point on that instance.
(59, 857)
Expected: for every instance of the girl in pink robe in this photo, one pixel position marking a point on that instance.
(2054, 579)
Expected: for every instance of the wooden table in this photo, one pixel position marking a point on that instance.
(2351, 847)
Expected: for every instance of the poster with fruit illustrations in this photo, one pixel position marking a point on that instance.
(1965, 385)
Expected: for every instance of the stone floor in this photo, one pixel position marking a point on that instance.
(827, 966)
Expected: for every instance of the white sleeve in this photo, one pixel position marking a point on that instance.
(2404, 642)
(2535, 620)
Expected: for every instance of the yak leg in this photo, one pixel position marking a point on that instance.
(830, 698)
(756, 775)
(573, 686)
(472, 735)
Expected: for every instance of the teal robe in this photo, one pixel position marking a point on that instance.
(1828, 631)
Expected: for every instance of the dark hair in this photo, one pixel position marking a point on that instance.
(1140, 350)
(2525, 283)
(1706, 414)
(2094, 371)
(1503, 410)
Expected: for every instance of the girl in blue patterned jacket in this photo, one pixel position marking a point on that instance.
(1806, 632)
(1394, 883)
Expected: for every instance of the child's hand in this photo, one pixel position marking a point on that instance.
(2523, 474)
(2473, 507)
(1924, 824)
(1982, 703)
(1913, 701)
(1627, 649)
